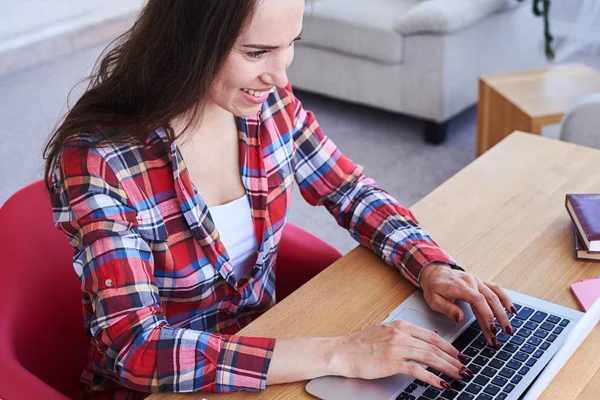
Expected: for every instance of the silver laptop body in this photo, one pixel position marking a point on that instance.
(415, 310)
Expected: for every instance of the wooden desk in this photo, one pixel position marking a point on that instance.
(528, 100)
(504, 221)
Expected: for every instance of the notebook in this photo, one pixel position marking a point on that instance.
(580, 252)
(586, 292)
(584, 210)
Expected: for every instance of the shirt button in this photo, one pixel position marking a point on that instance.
(108, 282)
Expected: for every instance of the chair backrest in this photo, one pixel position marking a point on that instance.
(301, 257)
(580, 123)
(41, 319)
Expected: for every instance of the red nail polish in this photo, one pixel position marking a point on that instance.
(461, 357)
(513, 309)
(509, 330)
(495, 343)
(456, 317)
(493, 328)
(444, 384)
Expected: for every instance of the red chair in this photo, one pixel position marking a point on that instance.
(42, 340)
(300, 257)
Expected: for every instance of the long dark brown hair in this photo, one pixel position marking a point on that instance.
(158, 70)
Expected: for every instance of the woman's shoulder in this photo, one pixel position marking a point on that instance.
(91, 152)
(112, 137)
(108, 141)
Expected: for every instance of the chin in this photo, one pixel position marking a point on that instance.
(247, 112)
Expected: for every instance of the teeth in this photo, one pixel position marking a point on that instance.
(256, 94)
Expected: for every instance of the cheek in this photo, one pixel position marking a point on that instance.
(220, 85)
(241, 73)
(219, 91)
(290, 57)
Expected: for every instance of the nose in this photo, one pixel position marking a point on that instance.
(276, 74)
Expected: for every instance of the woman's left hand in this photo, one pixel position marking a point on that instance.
(442, 285)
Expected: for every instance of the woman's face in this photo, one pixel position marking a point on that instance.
(259, 58)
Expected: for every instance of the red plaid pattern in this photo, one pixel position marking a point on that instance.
(160, 300)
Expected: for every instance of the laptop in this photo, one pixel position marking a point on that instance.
(540, 329)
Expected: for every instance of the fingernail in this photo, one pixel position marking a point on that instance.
(444, 384)
(456, 317)
(463, 374)
(495, 343)
(508, 329)
(467, 371)
(462, 357)
(513, 309)
(493, 328)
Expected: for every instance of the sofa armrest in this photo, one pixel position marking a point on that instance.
(580, 124)
(445, 16)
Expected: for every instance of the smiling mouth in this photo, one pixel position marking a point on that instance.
(258, 94)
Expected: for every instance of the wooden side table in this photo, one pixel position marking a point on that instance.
(528, 100)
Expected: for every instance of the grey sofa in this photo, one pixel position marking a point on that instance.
(419, 58)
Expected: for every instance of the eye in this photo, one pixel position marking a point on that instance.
(256, 54)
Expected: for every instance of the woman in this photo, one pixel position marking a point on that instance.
(163, 295)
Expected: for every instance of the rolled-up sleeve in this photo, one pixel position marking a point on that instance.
(372, 217)
(116, 270)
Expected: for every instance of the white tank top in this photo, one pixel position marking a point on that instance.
(236, 230)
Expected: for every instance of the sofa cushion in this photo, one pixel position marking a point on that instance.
(357, 27)
(445, 16)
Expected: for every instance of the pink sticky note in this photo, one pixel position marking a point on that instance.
(586, 292)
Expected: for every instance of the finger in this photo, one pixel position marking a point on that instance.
(440, 303)
(423, 345)
(504, 298)
(481, 309)
(426, 337)
(490, 333)
(490, 338)
(420, 373)
(431, 358)
(497, 309)
(443, 305)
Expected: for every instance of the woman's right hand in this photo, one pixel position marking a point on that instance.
(387, 349)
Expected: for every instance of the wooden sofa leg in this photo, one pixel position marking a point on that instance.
(435, 133)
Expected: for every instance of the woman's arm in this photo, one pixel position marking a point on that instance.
(327, 177)
(376, 220)
(374, 352)
(116, 269)
(300, 359)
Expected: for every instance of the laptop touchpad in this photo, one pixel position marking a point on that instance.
(440, 323)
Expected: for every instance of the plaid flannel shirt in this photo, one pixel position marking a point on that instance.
(160, 301)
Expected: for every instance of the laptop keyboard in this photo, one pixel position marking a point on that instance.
(495, 372)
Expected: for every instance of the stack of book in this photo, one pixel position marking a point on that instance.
(584, 210)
